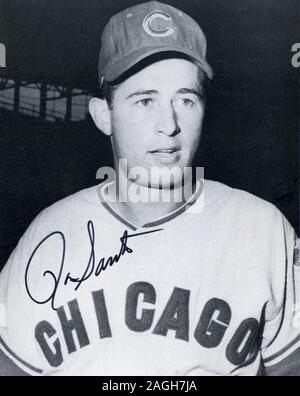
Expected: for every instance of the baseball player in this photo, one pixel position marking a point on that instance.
(104, 286)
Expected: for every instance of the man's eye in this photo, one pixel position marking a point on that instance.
(145, 102)
(188, 102)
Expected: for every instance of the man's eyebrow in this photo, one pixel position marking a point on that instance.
(185, 91)
(142, 92)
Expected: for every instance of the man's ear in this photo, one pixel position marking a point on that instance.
(101, 115)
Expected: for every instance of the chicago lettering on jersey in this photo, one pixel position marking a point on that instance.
(209, 333)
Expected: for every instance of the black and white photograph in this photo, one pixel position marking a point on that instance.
(149, 190)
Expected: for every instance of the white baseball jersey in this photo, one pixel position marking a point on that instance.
(211, 293)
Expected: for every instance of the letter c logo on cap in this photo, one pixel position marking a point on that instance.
(155, 32)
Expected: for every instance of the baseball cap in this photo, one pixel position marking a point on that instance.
(147, 29)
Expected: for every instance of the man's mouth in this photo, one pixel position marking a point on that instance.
(170, 150)
(167, 155)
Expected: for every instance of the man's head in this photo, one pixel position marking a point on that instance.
(152, 73)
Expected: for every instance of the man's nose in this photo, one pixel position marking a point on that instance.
(167, 122)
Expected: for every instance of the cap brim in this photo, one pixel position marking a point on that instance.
(115, 70)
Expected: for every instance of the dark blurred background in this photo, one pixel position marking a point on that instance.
(49, 147)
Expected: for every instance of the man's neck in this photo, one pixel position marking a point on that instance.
(145, 205)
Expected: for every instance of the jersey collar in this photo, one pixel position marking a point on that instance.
(101, 192)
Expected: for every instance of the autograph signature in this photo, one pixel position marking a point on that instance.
(93, 267)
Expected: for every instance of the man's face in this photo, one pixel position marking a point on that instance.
(157, 117)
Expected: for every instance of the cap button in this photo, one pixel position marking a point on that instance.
(130, 15)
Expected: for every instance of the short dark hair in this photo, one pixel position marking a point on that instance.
(107, 89)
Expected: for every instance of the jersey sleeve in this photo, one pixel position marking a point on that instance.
(18, 348)
(281, 336)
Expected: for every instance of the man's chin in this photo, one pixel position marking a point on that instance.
(167, 178)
